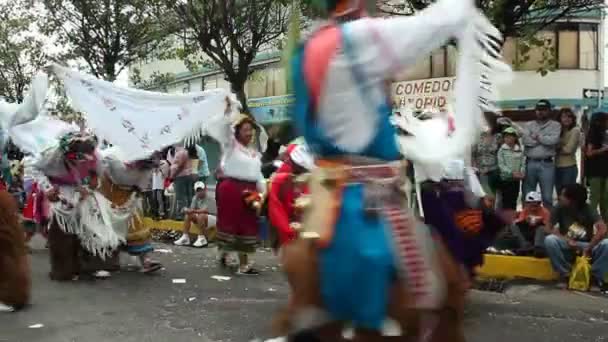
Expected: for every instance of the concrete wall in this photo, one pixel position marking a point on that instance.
(564, 84)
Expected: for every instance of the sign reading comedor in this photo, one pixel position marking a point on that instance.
(423, 94)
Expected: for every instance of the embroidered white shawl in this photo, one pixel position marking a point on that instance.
(141, 122)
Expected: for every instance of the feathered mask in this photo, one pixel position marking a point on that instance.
(77, 146)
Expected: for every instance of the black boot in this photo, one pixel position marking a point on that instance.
(304, 336)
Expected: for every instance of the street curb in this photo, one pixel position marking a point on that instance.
(178, 226)
(511, 267)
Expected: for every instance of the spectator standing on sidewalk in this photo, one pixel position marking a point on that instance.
(596, 166)
(203, 164)
(183, 180)
(540, 139)
(566, 170)
(511, 166)
(159, 174)
(485, 160)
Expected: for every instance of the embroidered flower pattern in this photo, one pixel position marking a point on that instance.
(185, 112)
(108, 103)
(199, 99)
(165, 130)
(145, 141)
(128, 125)
(86, 83)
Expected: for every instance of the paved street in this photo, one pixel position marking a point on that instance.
(132, 307)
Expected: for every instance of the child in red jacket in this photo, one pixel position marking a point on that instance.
(283, 194)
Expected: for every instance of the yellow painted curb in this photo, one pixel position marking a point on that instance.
(172, 225)
(509, 267)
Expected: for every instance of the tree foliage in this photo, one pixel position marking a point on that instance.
(59, 105)
(156, 80)
(22, 53)
(228, 33)
(107, 35)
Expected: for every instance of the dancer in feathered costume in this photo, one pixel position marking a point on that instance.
(371, 258)
(77, 219)
(455, 205)
(122, 184)
(64, 159)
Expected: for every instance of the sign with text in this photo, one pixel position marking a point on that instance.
(423, 94)
(270, 110)
(592, 93)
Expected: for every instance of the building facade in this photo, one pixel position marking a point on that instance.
(571, 54)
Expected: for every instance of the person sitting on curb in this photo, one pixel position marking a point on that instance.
(576, 227)
(198, 214)
(529, 225)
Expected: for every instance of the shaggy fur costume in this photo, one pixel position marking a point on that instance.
(15, 280)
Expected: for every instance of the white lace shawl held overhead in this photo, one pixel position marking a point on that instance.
(141, 122)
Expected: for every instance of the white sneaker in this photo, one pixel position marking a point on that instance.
(200, 242)
(183, 241)
(102, 274)
(492, 250)
(6, 308)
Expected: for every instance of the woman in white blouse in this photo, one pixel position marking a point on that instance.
(241, 174)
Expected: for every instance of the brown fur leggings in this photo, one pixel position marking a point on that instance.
(300, 265)
(69, 259)
(15, 279)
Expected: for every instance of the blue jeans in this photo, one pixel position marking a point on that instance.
(556, 248)
(565, 176)
(543, 173)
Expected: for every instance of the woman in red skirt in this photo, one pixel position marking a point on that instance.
(237, 220)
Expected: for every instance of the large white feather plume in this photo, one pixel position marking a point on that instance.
(479, 70)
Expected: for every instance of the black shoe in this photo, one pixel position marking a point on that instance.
(525, 251)
(539, 253)
(249, 271)
(603, 286)
(223, 261)
(304, 336)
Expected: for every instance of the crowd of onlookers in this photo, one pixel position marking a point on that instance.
(172, 183)
(514, 161)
